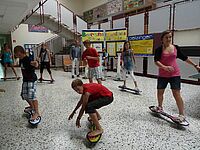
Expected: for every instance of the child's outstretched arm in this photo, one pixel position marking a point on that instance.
(84, 103)
(77, 107)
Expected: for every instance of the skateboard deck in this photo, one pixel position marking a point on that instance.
(45, 81)
(129, 89)
(195, 76)
(171, 117)
(11, 78)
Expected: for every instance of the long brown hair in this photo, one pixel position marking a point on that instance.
(125, 44)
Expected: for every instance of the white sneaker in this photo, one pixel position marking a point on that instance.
(180, 118)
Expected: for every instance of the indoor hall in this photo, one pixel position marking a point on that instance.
(127, 122)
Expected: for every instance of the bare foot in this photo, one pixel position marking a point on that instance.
(90, 120)
(95, 132)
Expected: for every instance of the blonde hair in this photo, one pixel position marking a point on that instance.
(76, 82)
(20, 49)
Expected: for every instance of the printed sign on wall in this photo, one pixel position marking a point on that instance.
(133, 4)
(35, 28)
(142, 44)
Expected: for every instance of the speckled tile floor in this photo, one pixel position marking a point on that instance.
(127, 122)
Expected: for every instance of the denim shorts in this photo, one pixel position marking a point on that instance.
(96, 104)
(28, 90)
(175, 82)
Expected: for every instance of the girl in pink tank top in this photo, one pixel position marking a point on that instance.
(169, 59)
(169, 72)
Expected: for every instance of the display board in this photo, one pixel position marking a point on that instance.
(111, 48)
(93, 35)
(119, 46)
(133, 4)
(114, 7)
(88, 15)
(100, 12)
(29, 50)
(116, 35)
(142, 44)
(104, 10)
(97, 46)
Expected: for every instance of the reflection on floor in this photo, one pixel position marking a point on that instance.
(127, 122)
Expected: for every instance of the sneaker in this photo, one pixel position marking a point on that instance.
(52, 81)
(157, 109)
(123, 86)
(180, 118)
(40, 79)
(136, 89)
(29, 110)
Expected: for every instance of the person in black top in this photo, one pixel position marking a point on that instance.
(28, 92)
(45, 61)
(169, 72)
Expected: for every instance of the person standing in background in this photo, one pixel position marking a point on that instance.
(75, 56)
(45, 61)
(7, 59)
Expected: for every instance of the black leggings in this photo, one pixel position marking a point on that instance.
(43, 65)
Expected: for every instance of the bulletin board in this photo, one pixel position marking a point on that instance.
(93, 35)
(116, 35)
(29, 50)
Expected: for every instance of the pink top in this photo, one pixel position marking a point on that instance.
(169, 59)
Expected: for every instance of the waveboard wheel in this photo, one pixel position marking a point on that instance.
(38, 120)
(93, 139)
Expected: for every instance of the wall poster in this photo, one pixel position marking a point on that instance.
(36, 28)
(93, 35)
(133, 4)
(142, 44)
(116, 35)
(111, 48)
(114, 7)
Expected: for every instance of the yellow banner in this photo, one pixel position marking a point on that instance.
(93, 36)
(142, 46)
(116, 35)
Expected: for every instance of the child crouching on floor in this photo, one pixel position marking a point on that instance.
(94, 96)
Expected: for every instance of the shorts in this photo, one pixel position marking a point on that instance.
(96, 104)
(94, 72)
(175, 82)
(29, 90)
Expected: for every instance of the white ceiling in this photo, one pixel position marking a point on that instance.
(13, 11)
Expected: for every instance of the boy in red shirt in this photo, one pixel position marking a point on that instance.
(94, 96)
(92, 57)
